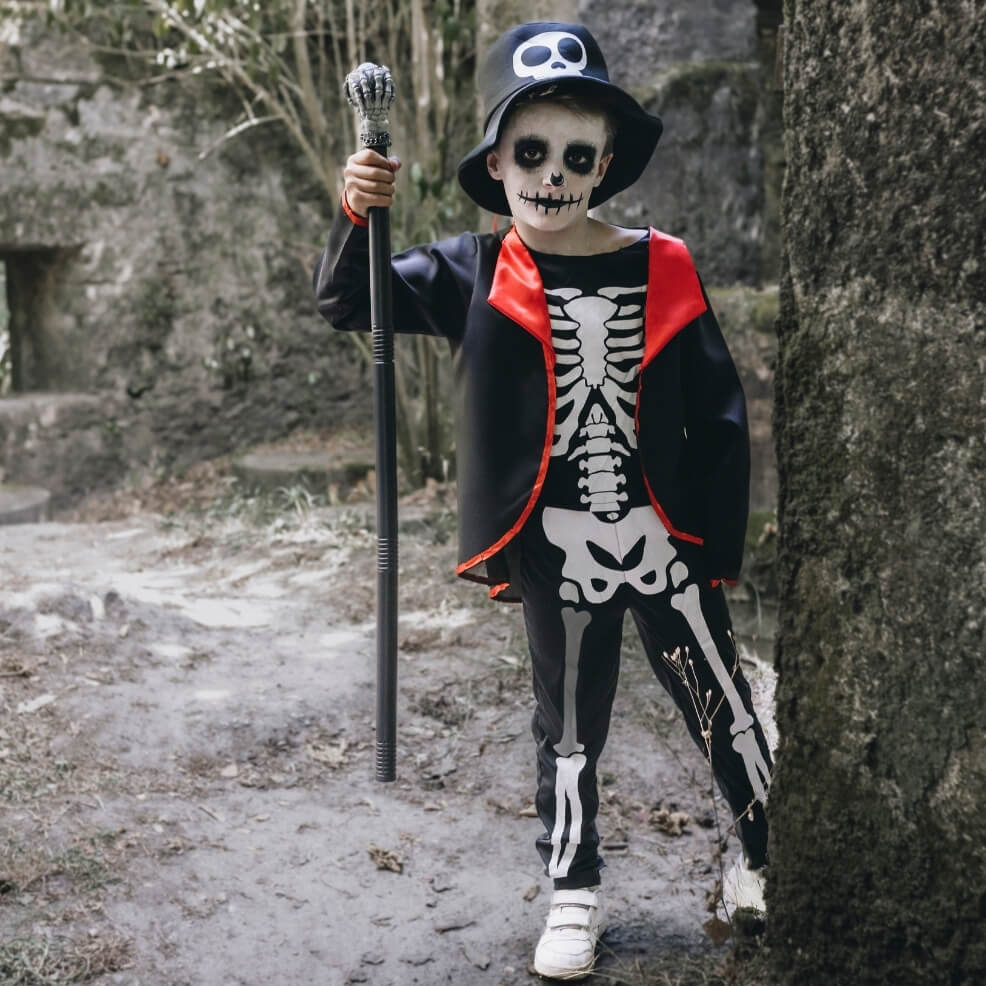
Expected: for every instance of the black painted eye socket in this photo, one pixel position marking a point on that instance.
(529, 152)
(580, 158)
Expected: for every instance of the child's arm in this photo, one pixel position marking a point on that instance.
(432, 284)
(718, 437)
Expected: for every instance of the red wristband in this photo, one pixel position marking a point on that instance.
(354, 218)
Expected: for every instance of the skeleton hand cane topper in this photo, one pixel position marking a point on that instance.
(370, 89)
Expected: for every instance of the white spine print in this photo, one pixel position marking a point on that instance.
(598, 347)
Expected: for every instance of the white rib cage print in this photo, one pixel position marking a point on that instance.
(599, 342)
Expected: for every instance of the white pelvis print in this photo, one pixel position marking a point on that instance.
(600, 555)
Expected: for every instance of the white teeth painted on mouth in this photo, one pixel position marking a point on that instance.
(547, 202)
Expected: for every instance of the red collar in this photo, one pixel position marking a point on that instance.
(674, 294)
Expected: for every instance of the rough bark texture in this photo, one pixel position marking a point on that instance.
(878, 856)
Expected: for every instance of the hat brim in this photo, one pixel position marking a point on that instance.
(637, 135)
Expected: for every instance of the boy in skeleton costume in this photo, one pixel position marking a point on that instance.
(602, 439)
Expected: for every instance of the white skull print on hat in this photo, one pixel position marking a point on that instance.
(550, 54)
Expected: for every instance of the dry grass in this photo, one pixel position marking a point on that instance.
(85, 866)
(739, 966)
(40, 961)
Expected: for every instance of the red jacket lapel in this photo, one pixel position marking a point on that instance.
(674, 294)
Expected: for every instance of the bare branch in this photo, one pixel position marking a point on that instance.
(255, 121)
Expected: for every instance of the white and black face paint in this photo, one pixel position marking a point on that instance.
(549, 159)
(531, 152)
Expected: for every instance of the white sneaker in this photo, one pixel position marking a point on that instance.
(567, 949)
(742, 888)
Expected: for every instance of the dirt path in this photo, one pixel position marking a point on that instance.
(186, 763)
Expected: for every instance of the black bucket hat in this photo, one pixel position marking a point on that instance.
(545, 55)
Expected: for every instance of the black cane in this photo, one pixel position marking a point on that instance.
(370, 89)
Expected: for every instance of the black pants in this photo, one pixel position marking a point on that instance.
(574, 619)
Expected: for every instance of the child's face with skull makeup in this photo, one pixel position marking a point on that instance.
(550, 158)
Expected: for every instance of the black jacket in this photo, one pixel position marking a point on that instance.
(483, 293)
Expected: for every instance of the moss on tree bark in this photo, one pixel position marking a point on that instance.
(878, 851)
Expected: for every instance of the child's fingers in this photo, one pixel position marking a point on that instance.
(368, 156)
(362, 172)
(369, 180)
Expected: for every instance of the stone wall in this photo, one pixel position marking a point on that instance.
(696, 66)
(177, 286)
(878, 841)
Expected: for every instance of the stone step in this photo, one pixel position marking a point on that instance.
(317, 472)
(23, 504)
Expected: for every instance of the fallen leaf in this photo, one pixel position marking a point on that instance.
(386, 859)
(332, 755)
(671, 823)
(717, 930)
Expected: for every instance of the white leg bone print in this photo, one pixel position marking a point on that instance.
(575, 624)
(688, 603)
(599, 556)
(571, 759)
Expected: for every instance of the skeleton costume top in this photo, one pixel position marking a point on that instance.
(484, 293)
(596, 307)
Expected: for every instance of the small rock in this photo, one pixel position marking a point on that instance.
(419, 959)
(531, 892)
(454, 924)
(479, 959)
(34, 704)
(230, 771)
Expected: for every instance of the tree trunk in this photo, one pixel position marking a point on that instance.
(878, 808)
